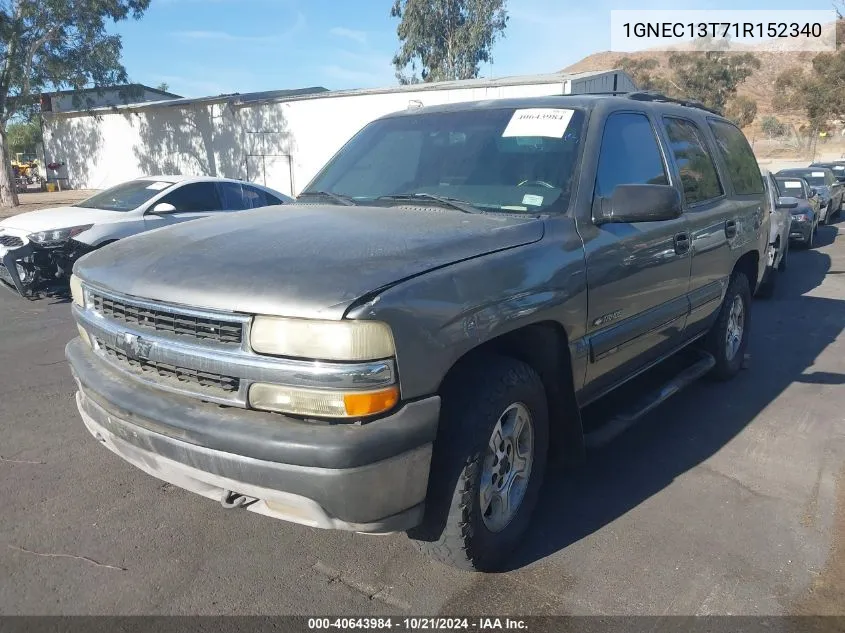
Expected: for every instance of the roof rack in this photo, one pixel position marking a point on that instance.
(651, 95)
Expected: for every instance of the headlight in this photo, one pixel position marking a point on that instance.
(76, 291)
(58, 235)
(801, 218)
(319, 403)
(321, 340)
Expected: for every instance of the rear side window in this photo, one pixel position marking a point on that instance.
(742, 165)
(697, 171)
(255, 197)
(629, 154)
(231, 194)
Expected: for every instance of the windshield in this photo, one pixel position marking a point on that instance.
(504, 159)
(791, 188)
(125, 197)
(814, 178)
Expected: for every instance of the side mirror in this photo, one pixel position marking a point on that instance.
(813, 191)
(786, 203)
(639, 203)
(163, 208)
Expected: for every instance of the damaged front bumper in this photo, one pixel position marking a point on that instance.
(27, 267)
(17, 269)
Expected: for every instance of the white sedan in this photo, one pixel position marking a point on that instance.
(41, 246)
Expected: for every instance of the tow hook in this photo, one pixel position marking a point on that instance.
(230, 499)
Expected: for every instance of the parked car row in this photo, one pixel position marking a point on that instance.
(800, 200)
(40, 247)
(408, 350)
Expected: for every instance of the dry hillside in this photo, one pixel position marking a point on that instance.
(758, 86)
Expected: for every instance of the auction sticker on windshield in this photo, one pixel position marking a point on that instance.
(549, 122)
(817, 174)
(791, 184)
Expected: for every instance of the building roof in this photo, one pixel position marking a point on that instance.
(83, 91)
(319, 92)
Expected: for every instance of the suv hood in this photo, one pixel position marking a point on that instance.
(309, 261)
(60, 218)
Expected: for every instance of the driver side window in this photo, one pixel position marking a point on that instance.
(197, 196)
(629, 154)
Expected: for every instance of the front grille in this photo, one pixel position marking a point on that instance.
(170, 373)
(162, 320)
(10, 241)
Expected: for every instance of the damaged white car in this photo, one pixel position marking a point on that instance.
(40, 247)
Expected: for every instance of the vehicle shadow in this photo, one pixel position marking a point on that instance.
(825, 235)
(696, 423)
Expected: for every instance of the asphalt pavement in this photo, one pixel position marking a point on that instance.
(728, 499)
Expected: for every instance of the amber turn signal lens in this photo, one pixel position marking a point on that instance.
(322, 403)
(370, 402)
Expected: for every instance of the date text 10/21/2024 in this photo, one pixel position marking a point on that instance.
(418, 624)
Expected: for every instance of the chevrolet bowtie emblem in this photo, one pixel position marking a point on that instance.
(135, 347)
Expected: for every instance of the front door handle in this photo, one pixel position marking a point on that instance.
(682, 243)
(730, 228)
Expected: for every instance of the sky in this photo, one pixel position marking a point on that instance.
(209, 47)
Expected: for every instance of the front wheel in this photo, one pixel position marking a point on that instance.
(728, 338)
(488, 465)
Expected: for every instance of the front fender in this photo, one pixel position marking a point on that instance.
(440, 316)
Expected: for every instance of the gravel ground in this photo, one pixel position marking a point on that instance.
(43, 200)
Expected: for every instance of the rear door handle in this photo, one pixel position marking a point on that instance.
(682, 243)
(730, 228)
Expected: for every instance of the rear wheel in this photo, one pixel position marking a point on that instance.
(488, 465)
(728, 338)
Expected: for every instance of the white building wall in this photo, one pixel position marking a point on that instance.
(282, 145)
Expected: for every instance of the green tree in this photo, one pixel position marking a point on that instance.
(819, 92)
(23, 136)
(772, 127)
(163, 86)
(52, 44)
(712, 77)
(741, 110)
(445, 39)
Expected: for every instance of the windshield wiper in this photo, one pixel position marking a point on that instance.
(339, 198)
(452, 203)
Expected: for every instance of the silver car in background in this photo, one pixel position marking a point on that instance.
(781, 221)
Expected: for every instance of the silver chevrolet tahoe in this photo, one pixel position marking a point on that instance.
(408, 346)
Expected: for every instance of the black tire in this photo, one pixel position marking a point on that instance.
(453, 530)
(784, 260)
(714, 343)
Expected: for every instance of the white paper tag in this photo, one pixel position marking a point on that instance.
(791, 184)
(817, 174)
(158, 186)
(534, 201)
(838, 167)
(549, 122)
(512, 207)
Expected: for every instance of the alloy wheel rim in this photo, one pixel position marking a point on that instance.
(507, 467)
(735, 329)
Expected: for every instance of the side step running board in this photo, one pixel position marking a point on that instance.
(621, 422)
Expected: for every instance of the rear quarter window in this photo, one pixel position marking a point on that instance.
(739, 158)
